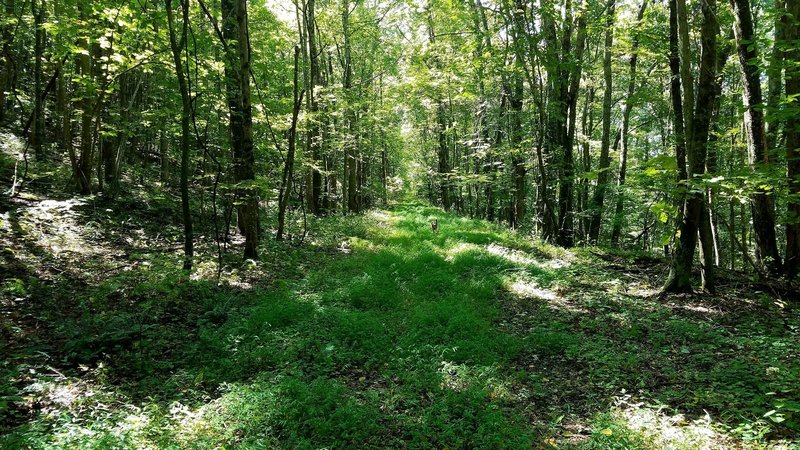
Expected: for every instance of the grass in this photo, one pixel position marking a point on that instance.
(379, 333)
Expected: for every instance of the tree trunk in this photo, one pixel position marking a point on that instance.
(626, 115)
(792, 126)
(555, 122)
(774, 79)
(762, 203)
(314, 135)
(7, 74)
(288, 169)
(598, 197)
(37, 132)
(679, 279)
(517, 158)
(163, 154)
(64, 115)
(237, 75)
(687, 80)
(677, 97)
(177, 48)
(351, 162)
(566, 229)
(587, 126)
(84, 167)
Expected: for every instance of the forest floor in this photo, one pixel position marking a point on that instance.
(374, 333)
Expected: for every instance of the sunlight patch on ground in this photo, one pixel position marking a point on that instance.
(359, 244)
(523, 258)
(510, 255)
(460, 377)
(63, 401)
(190, 422)
(461, 247)
(529, 289)
(523, 288)
(698, 309)
(66, 402)
(381, 218)
(672, 431)
(238, 277)
(638, 426)
(52, 224)
(643, 290)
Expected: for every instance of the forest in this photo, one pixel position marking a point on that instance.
(538, 224)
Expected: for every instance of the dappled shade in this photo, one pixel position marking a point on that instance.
(408, 338)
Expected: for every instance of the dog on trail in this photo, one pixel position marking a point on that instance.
(435, 225)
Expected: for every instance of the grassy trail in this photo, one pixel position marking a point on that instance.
(394, 336)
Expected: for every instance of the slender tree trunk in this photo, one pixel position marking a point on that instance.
(163, 154)
(626, 115)
(351, 162)
(7, 73)
(566, 196)
(64, 115)
(598, 197)
(314, 135)
(555, 122)
(676, 97)
(288, 169)
(687, 80)
(792, 126)
(84, 65)
(710, 218)
(587, 126)
(442, 151)
(65, 128)
(177, 46)
(762, 206)
(732, 234)
(479, 158)
(37, 132)
(679, 279)
(517, 159)
(443, 158)
(237, 74)
(774, 78)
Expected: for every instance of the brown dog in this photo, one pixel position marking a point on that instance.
(435, 226)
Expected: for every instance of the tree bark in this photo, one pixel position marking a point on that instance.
(792, 127)
(566, 196)
(555, 121)
(626, 115)
(679, 279)
(83, 175)
(598, 196)
(351, 161)
(163, 154)
(517, 158)
(587, 127)
(177, 47)
(288, 169)
(7, 74)
(762, 203)
(63, 110)
(314, 135)
(37, 132)
(237, 75)
(774, 76)
(687, 80)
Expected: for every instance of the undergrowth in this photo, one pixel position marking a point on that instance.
(379, 332)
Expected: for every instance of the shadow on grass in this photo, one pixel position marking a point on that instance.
(462, 338)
